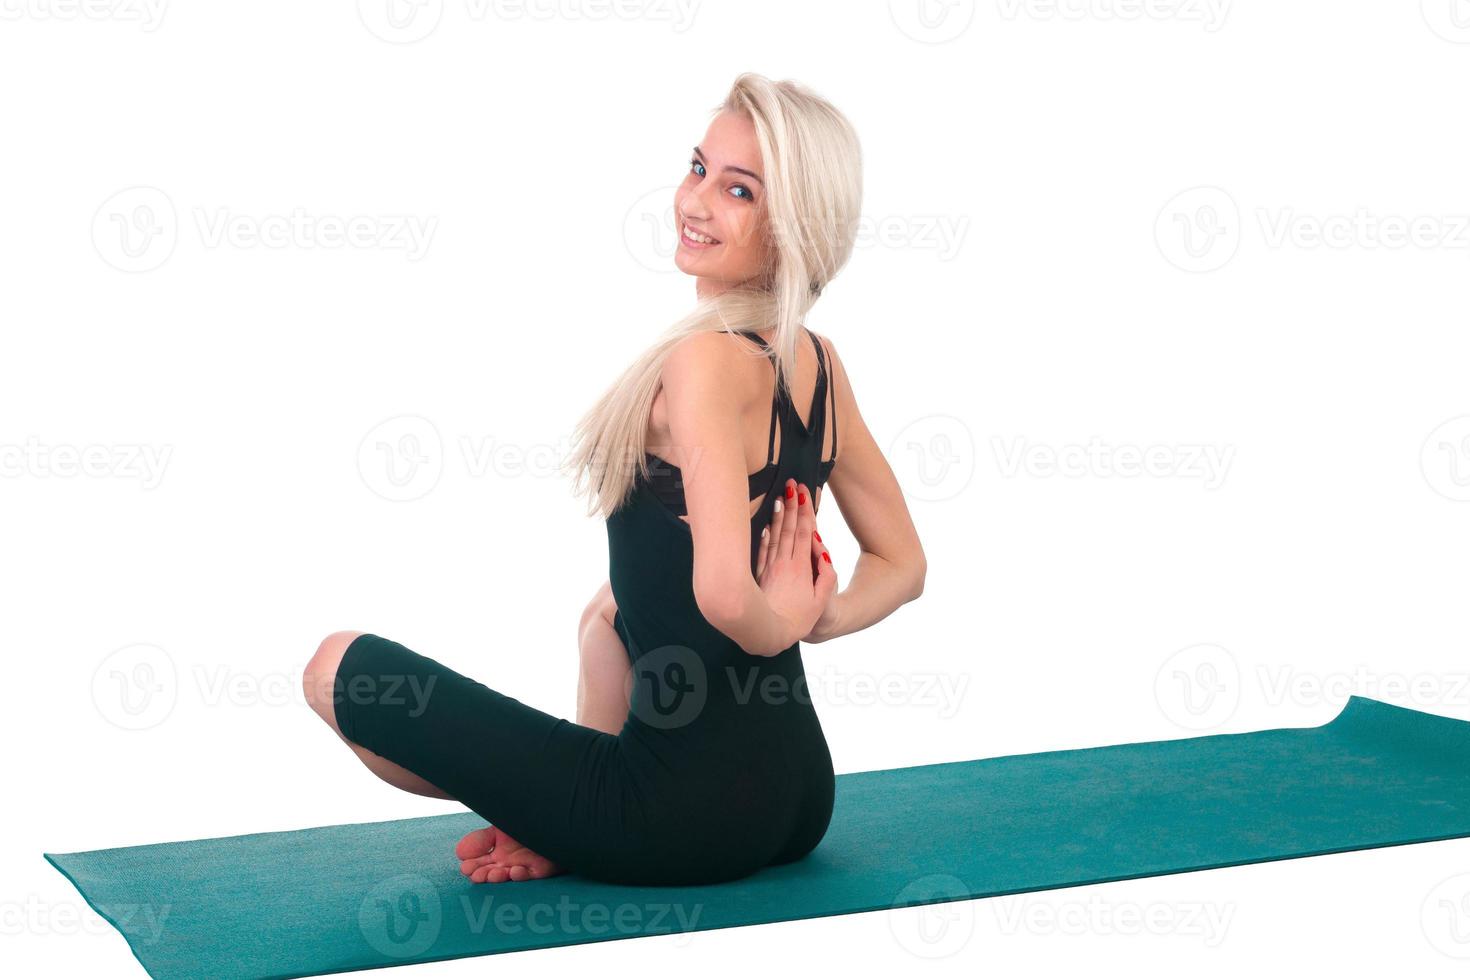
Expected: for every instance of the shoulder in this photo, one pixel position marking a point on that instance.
(709, 361)
(705, 345)
(717, 345)
(834, 362)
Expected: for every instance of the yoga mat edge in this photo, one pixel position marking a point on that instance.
(1100, 796)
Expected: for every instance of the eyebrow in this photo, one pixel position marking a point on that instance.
(738, 170)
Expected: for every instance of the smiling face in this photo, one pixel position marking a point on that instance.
(719, 210)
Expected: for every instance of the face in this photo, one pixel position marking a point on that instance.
(722, 202)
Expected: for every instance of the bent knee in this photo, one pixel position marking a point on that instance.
(320, 675)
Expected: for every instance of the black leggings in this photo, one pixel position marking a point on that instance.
(640, 807)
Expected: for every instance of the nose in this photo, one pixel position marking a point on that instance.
(693, 205)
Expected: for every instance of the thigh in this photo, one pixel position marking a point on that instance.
(520, 768)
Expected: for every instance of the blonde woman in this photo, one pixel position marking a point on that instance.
(697, 755)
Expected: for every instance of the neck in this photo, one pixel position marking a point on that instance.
(705, 288)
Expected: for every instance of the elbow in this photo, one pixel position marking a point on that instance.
(720, 603)
(724, 605)
(920, 567)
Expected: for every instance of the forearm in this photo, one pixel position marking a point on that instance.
(877, 588)
(750, 621)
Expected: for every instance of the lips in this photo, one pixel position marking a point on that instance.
(684, 235)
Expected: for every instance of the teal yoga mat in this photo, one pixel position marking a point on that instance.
(355, 896)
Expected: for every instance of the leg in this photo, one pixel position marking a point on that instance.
(318, 680)
(604, 678)
(556, 785)
(603, 685)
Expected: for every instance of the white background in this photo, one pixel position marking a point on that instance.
(1177, 226)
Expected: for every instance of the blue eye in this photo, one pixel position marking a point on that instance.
(745, 192)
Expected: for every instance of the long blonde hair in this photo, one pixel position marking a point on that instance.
(812, 168)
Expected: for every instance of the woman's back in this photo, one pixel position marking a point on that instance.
(725, 721)
(650, 545)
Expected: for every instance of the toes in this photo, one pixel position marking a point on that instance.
(489, 869)
(469, 865)
(494, 873)
(476, 843)
(490, 856)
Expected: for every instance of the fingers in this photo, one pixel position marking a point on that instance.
(826, 579)
(793, 516)
(805, 519)
(786, 546)
(773, 535)
(806, 513)
(817, 550)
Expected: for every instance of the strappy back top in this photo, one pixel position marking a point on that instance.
(690, 707)
(651, 549)
(797, 440)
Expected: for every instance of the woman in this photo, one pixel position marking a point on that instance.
(696, 756)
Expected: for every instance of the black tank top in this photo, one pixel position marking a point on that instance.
(708, 721)
(651, 550)
(804, 442)
(718, 742)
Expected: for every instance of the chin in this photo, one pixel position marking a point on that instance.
(687, 264)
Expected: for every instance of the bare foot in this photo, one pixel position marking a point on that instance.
(492, 855)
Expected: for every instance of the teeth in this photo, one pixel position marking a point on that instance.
(696, 236)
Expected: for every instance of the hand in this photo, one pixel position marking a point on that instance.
(826, 624)
(794, 569)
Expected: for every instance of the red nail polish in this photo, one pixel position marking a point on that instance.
(790, 492)
(827, 557)
(819, 537)
(801, 497)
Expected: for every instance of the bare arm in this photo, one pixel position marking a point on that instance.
(705, 413)
(891, 565)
